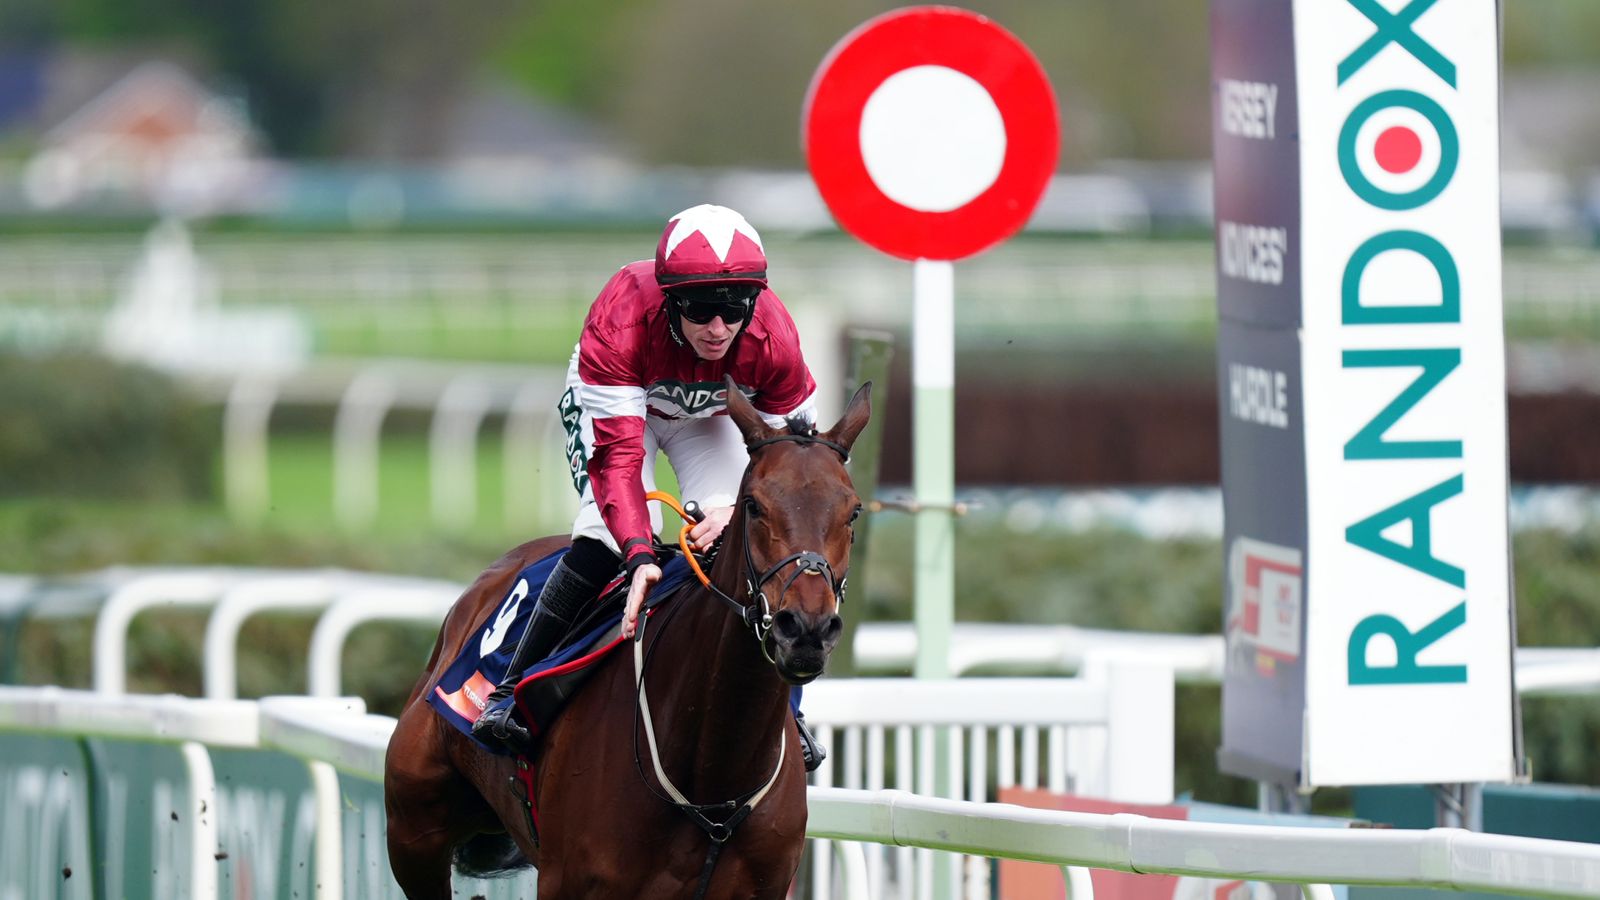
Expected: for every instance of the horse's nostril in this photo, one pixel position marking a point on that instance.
(786, 624)
(832, 630)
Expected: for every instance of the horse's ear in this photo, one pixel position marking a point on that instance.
(744, 415)
(855, 417)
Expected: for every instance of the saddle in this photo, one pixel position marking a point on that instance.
(547, 685)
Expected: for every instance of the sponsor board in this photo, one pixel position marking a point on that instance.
(1361, 362)
(1408, 657)
(1266, 591)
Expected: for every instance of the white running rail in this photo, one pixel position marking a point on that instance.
(402, 604)
(1108, 734)
(1019, 649)
(1449, 858)
(340, 734)
(880, 647)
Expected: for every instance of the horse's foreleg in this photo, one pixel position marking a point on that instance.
(421, 863)
(418, 785)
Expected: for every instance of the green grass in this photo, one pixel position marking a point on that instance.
(300, 481)
(52, 537)
(549, 343)
(300, 484)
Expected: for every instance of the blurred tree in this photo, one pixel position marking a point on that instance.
(569, 53)
(24, 24)
(372, 78)
(399, 67)
(1551, 33)
(699, 82)
(723, 82)
(111, 21)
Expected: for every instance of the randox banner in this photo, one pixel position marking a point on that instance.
(1362, 388)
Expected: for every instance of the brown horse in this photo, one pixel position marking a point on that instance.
(718, 661)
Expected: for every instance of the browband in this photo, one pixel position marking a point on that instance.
(838, 448)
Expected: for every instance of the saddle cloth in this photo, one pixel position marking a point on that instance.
(546, 685)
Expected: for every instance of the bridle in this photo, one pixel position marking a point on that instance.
(756, 614)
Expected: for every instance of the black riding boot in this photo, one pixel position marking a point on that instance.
(811, 751)
(564, 595)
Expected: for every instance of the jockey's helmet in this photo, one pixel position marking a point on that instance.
(709, 252)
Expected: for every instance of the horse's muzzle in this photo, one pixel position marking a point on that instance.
(801, 643)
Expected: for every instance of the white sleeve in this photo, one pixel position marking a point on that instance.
(807, 410)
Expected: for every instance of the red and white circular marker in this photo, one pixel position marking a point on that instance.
(931, 132)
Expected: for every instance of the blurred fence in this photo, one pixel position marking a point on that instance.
(392, 288)
(1107, 733)
(457, 398)
(453, 295)
(344, 601)
(1196, 512)
(206, 798)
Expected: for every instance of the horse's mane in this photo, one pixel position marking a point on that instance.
(799, 426)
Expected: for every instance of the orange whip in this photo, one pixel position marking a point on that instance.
(683, 532)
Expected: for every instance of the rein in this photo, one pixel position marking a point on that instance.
(757, 615)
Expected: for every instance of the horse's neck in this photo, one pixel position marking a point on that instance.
(727, 706)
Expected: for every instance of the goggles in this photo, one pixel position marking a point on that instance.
(730, 303)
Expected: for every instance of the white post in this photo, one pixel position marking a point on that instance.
(330, 830)
(244, 447)
(819, 341)
(522, 460)
(453, 452)
(933, 422)
(220, 669)
(201, 818)
(933, 476)
(426, 605)
(185, 589)
(356, 429)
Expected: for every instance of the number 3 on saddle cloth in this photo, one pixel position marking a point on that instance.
(548, 684)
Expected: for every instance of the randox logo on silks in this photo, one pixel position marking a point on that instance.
(577, 455)
(687, 399)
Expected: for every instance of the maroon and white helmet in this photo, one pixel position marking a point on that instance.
(709, 244)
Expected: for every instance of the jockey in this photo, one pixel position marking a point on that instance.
(647, 376)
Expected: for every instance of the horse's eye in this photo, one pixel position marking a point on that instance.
(855, 513)
(753, 508)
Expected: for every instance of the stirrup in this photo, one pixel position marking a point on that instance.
(812, 753)
(497, 725)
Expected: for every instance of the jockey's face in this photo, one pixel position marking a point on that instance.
(711, 340)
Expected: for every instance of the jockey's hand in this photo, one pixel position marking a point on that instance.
(644, 578)
(707, 530)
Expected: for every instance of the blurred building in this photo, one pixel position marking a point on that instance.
(117, 132)
(156, 137)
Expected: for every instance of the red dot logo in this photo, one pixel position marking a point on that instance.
(1398, 149)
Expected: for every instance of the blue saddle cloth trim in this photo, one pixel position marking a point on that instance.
(460, 691)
